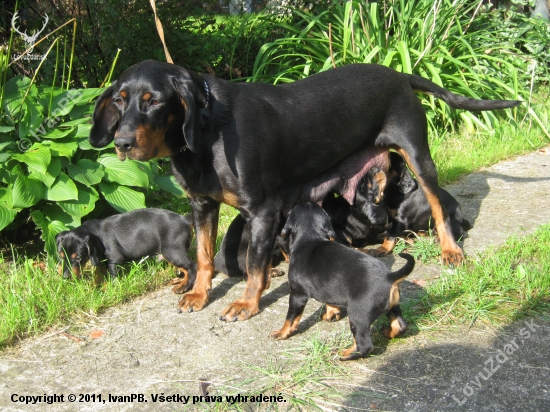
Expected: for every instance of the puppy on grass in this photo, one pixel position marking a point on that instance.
(129, 236)
(339, 276)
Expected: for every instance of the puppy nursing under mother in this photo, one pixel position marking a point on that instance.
(262, 148)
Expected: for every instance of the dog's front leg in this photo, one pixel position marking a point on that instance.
(205, 220)
(263, 227)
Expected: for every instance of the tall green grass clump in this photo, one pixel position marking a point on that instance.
(433, 39)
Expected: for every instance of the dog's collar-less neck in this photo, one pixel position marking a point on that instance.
(207, 91)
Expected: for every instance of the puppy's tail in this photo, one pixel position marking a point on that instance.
(456, 101)
(404, 271)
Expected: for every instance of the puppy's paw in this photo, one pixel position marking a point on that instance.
(378, 252)
(280, 334)
(275, 273)
(332, 314)
(350, 354)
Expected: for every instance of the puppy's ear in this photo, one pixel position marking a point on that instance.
(287, 228)
(380, 180)
(407, 183)
(104, 120)
(96, 250)
(192, 99)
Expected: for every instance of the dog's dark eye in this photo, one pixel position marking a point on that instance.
(118, 101)
(153, 102)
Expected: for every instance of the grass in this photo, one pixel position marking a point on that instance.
(306, 377)
(498, 286)
(34, 297)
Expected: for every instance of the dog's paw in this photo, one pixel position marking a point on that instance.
(275, 273)
(240, 310)
(179, 285)
(192, 302)
(332, 314)
(350, 354)
(280, 334)
(378, 252)
(452, 258)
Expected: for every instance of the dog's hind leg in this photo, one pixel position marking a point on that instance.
(360, 328)
(420, 162)
(398, 326)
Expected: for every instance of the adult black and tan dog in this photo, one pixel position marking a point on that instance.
(262, 148)
(128, 236)
(339, 276)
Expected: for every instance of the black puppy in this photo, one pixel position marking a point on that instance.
(129, 236)
(409, 209)
(365, 222)
(340, 276)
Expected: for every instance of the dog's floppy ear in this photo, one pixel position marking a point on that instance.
(96, 250)
(193, 101)
(327, 228)
(407, 182)
(287, 228)
(104, 120)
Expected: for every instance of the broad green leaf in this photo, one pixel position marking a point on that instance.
(26, 192)
(84, 144)
(76, 122)
(62, 189)
(15, 88)
(63, 103)
(50, 228)
(38, 157)
(122, 198)
(87, 196)
(55, 133)
(48, 178)
(80, 96)
(54, 212)
(83, 130)
(6, 216)
(125, 173)
(6, 129)
(87, 172)
(67, 149)
(169, 184)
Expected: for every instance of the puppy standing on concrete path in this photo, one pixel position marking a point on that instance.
(337, 275)
(129, 236)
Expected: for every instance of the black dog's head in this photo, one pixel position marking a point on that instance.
(75, 247)
(308, 220)
(153, 110)
(369, 198)
(401, 182)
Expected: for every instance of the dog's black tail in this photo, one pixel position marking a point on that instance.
(456, 101)
(404, 271)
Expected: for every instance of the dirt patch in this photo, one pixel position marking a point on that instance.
(146, 347)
